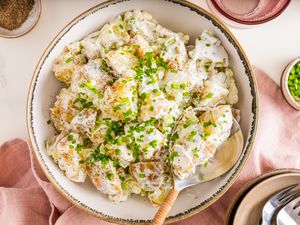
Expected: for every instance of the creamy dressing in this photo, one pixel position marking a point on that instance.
(138, 103)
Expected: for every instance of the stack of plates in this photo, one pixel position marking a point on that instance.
(247, 207)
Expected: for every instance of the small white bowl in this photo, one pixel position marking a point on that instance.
(28, 24)
(284, 84)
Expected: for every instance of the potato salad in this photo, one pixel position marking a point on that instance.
(140, 104)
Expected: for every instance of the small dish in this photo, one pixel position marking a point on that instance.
(28, 24)
(249, 13)
(250, 208)
(284, 84)
(248, 187)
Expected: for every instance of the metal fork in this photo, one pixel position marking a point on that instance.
(290, 214)
(277, 202)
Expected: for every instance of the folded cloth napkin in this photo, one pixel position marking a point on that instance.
(27, 197)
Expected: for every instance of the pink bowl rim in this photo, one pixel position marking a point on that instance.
(246, 22)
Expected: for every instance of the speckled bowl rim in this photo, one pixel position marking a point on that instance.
(254, 109)
(284, 84)
(39, 2)
(248, 187)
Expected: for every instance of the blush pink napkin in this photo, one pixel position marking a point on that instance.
(27, 197)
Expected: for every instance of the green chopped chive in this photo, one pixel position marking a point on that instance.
(175, 86)
(128, 113)
(205, 164)
(207, 44)
(208, 123)
(91, 88)
(141, 175)
(199, 38)
(183, 86)
(175, 136)
(155, 91)
(208, 96)
(49, 122)
(117, 151)
(109, 175)
(69, 59)
(205, 136)
(79, 147)
(144, 95)
(153, 143)
(81, 46)
(187, 123)
(195, 152)
(173, 155)
(116, 163)
(70, 137)
(192, 135)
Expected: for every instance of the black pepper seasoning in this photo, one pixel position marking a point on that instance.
(13, 13)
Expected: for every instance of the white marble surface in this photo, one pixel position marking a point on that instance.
(269, 46)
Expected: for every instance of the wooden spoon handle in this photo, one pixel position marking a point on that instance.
(165, 208)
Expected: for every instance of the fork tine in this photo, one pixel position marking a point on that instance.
(282, 194)
(278, 201)
(290, 197)
(294, 202)
(289, 214)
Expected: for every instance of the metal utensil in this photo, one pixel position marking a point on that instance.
(276, 202)
(226, 157)
(290, 214)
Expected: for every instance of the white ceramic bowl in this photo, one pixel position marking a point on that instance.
(177, 15)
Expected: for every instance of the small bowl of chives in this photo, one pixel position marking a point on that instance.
(290, 83)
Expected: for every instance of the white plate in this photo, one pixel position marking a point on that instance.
(250, 208)
(178, 16)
